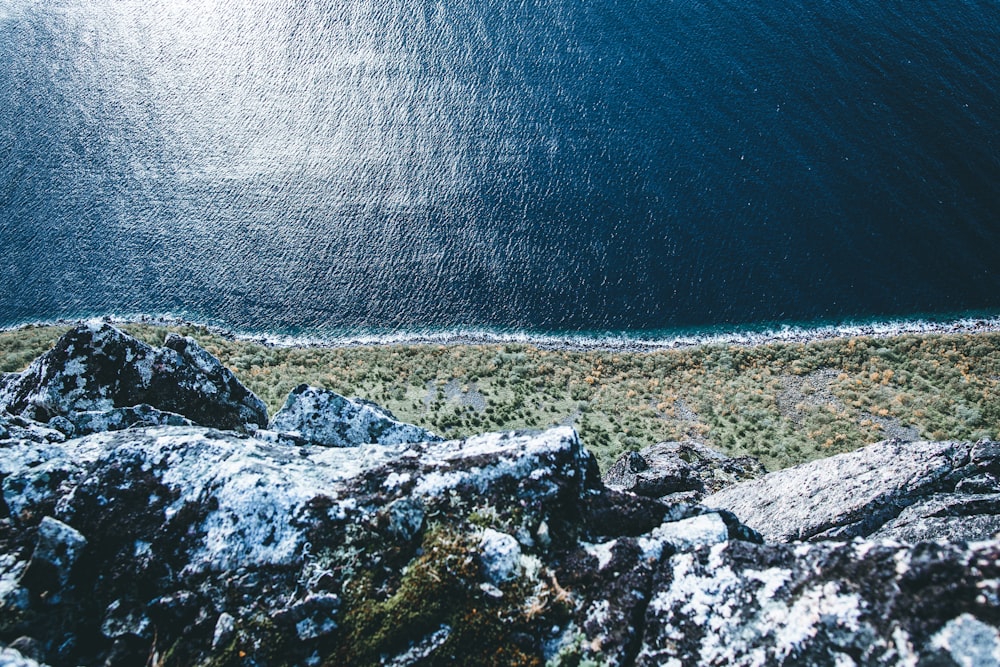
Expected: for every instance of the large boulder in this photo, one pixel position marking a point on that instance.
(97, 368)
(858, 493)
(323, 417)
(679, 469)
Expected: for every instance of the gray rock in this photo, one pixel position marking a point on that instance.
(14, 598)
(738, 603)
(322, 417)
(500, 555)
(421, 650)
(697, 531)
(986, 454)
(116, 419)
(96, 367)
(181, 519)
(406, 518)
(225, 629)
(15, 427)
(674, 468)
(983, 483)
(946, 516)
(969, 641)
(312, 617)
(29, 647)
(120, 620)
(62, 425)
(853, 494)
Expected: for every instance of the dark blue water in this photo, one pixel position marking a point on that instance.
(537, 165)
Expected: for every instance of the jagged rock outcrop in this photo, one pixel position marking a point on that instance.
(679, 470)
(173, 538)
(186, 545)
(906, 490)
(322, 417)
(97, 368)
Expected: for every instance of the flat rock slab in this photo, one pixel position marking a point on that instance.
(853, 494)
(252, 492)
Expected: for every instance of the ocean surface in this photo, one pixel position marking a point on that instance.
(523, 166)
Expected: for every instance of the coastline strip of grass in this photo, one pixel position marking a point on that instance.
(785, 403)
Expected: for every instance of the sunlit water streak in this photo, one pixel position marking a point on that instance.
(547, 165)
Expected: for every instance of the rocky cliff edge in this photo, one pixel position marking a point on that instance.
(150, 514)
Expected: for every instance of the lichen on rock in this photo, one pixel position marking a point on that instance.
(322, 417)
(857, 493)
(97, 368)
(680, 471)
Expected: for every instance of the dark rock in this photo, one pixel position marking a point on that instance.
(681, 470)
(116, 419)
(500, 556)
(322, 417)
(15, 427)
(985, 454)
(982, 483)
(406, 518)
(98, 368)
(62, 425)
(127, 651)
(738, 603)
(59, 547)
(311, 617)
(853, 494)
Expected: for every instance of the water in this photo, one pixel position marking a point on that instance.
(540, 166)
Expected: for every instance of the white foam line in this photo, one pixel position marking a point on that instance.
(622, 341)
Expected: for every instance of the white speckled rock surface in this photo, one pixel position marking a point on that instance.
(96, 368)
(853, 494)
(323, 417)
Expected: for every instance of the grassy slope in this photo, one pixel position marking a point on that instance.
(785, 402)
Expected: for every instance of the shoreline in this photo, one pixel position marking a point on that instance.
(604, 342)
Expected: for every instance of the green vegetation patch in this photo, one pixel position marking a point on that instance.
(438, 597)
(785, 403)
